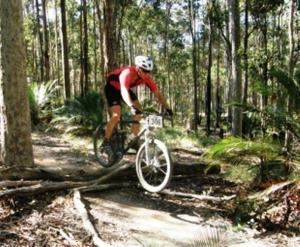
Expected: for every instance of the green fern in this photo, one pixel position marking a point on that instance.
(290, 85)
(82, 114)
(234, 146)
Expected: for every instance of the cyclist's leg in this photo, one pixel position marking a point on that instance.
(115, 116)
(113, 97)
(135, 128)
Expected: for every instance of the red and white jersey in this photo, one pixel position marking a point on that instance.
(132, 78)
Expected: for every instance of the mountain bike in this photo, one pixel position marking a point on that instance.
(153, 161)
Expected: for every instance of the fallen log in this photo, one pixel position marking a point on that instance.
(199, 197)
(87, 224)
(36, 187)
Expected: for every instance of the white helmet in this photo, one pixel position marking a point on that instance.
(144, 62)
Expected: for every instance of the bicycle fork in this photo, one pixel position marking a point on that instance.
(147, 141)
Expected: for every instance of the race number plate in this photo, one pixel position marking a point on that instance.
(155, 121)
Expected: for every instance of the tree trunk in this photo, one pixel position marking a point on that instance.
(85, 50)
(110, 42)
(236, 66)
(208, 81)
(65, 52)
(57, 60)
(40, 37)
(46, 42)
(194, 57)
(291, 67)
(15, 131)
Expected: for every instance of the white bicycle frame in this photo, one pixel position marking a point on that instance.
(151, 121)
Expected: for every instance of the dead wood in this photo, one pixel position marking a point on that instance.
(189, 151)
(199, 197)
(36, 187)
(13, 184)
(69, 238)
(87, 224)
(99, 187)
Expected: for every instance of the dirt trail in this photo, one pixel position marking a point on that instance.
(133, 217)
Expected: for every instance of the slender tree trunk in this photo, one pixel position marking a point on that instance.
(110, 42)
(40, 38)
(246, 37)
(208, 80)
(65, 51)
(291, 67)
(245, 94)
(57, 60)
(15, 130)
(46, 41)
(236, 69)
(85, 48)
(194, 57)
(218, 89)
(81, 77)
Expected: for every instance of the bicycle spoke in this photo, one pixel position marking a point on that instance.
(164, 172)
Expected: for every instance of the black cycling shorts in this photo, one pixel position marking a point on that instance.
(114, 97)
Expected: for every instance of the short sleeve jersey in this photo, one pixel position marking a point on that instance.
(132, 79)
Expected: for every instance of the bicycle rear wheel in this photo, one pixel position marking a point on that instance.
(104, 155)
(155, 172)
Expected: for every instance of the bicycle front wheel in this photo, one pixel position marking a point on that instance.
(153, 166)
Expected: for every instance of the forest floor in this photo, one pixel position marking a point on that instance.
(128, 216)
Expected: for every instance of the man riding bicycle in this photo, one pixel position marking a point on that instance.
(118, 88)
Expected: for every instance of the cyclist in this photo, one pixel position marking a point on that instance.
(118, 89)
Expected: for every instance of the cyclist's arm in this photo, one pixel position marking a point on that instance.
(161, 99)
(124, 80)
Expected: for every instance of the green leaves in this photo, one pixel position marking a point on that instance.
(290, 85)
(238, 147)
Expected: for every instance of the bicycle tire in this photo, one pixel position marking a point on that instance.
(160, 165)
(104, 157)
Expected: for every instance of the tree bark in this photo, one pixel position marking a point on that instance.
(194, 57)
(41, 43)
(110, 42)
(15, 129)
(65, 56)
(236, 66)
(46, 41)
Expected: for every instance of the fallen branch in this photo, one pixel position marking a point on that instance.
(189, 151)
(70, 240)
(199, 197)
(79, 205)
(9, 184)
(41, 187)
(271, 190)
(101, 187)
(35, 187)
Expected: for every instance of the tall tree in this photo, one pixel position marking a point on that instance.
(192, 30)
(234, 15)
(41, 40)
(110, 42)
(84, 74)
(209, 67)
(46, 41)
(15, 130)
(65, 52)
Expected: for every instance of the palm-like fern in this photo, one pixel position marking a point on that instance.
(292, 86)
(235, 150)
(82, 114)
(41, 97)
(238, 147)
(209, 237)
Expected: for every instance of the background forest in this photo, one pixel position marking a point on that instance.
(218, 62)
(227, 67)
